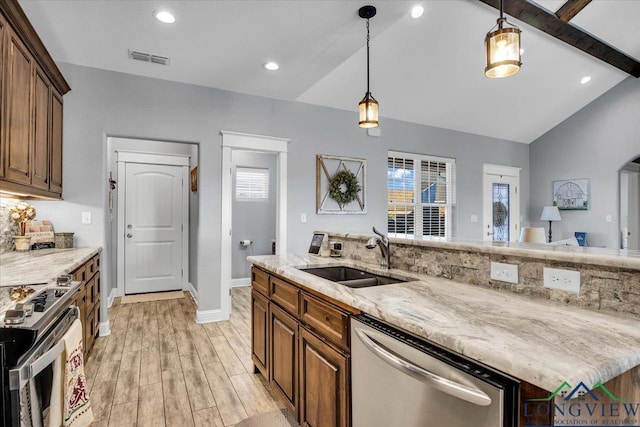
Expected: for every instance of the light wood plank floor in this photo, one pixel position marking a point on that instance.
(159, 368)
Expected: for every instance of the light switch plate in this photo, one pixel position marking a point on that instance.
(504, 272)
(303, 217)
(565, 280)
(86, 217)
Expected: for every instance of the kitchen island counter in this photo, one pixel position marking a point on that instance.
(538, 341)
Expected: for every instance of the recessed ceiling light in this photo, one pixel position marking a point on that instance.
(417, 11)
(164, 16)
(585, 80)
(271, 66)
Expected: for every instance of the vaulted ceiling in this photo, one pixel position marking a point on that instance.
(427, 70)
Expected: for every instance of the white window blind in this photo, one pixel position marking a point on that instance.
(252, 184)
(421, 196)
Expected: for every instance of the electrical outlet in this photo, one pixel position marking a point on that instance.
(303, 217)
(504, 272)
(86, 217)
(565, 280)
(608, 218)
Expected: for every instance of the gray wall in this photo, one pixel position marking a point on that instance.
(253, 220)
(108, 103)
(595, 143)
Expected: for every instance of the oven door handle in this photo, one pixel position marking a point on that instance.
(20, 375)
(461, 391)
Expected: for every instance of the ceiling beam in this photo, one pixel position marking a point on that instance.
(549, 23)
(570, 9)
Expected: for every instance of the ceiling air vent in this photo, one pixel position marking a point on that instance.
(147, 57)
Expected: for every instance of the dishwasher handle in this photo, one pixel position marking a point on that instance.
(461, 391)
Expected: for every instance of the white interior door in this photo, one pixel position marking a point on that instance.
(501, 203)
(153, 228)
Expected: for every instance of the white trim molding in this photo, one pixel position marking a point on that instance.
(247, 142)
(104, 329)
(237, 283)
(208, 316)
(194, 292)
(112, 297)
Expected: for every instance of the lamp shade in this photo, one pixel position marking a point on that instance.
(532, 235)
(503, 52)
(368, 109)
(550, 213)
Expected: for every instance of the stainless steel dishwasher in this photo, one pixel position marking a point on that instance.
(400, 380)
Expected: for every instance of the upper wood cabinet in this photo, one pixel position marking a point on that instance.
(31, 109)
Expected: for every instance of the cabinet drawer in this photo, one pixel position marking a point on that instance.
(285, 295)
(93, 290)
(260, 281)
(93, 266)
(325, 320)
(80, 275)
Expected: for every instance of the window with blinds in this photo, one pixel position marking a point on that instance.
(421, 196)
(252, 184)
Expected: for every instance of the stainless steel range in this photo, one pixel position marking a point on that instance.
(30, 341)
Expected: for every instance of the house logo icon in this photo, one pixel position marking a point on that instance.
(567, 392)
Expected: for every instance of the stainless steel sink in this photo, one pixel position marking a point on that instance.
(351, 277)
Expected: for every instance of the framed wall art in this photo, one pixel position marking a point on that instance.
(571, 194)
(340, 185)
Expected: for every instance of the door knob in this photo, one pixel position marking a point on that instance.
(488, 233)
(129, 235)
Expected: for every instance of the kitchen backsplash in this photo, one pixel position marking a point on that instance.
(8, 227)
(601, 287)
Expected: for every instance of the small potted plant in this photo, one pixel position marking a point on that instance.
(21, 213)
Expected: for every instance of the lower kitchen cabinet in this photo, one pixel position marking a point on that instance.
(260, 332)
(284, 355)
(324, 381)
(300, 343)
(87, 299)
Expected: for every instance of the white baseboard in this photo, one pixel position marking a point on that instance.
(110, 298)
(193, 291)
(207, 316)
(104, 328)
(236, 283)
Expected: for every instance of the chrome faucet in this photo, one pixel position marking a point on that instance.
(383, 243)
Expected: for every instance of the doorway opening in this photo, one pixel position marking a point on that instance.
(501, 203)
(253, 210)
(234, 141)
(630, 205)
(150, 215)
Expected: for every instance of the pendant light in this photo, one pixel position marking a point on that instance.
(368, 107)
(503, 49)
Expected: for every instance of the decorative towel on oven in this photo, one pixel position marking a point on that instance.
(70, 406)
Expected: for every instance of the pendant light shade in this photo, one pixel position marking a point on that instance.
(503, 49)
(368, 107)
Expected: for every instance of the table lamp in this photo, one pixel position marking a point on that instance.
(550, 213)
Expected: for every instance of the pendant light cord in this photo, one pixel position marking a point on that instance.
(368, 55)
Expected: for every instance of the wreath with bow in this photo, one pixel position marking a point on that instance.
(344, 187)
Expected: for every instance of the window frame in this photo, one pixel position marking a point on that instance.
(265, 171)
(418, 205)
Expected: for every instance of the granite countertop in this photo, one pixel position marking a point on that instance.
(39, 267)
(621, 258)
(539, 341)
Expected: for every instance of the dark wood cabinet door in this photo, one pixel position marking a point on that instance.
(18, 130)
(324, 380)
(284, 352)
(41, 140)
(260, 332)
(55, 177)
